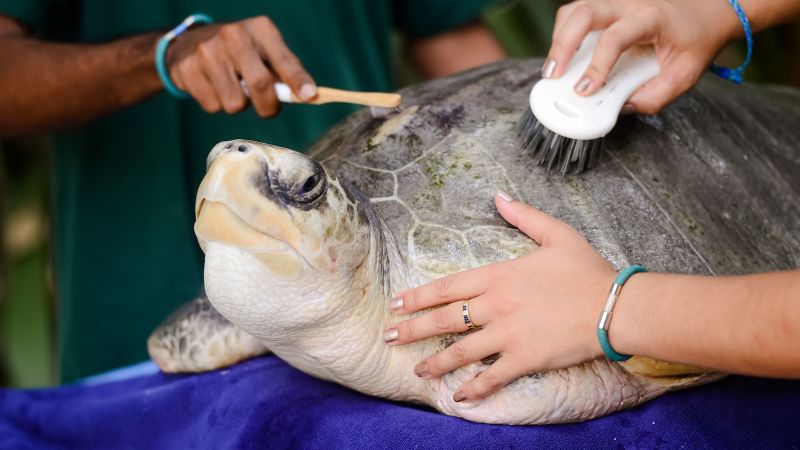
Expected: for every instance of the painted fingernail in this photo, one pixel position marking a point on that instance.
(459, 396)
(627, 109)
(390, 334)
(504, 195)
(583, 85)
(421, 370)
(308, 91)
(548, 68)
(396, 304)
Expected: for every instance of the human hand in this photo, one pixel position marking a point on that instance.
(538, 311)
(209, 61)
(686, 35)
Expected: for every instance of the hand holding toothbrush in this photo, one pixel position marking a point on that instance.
(686, 35)
(209, 61)
(227, 66)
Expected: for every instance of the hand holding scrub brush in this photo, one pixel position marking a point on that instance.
(684, 37)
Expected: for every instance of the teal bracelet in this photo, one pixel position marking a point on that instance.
(161, 52)
(605, 317)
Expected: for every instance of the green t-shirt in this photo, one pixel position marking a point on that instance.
(124, 186)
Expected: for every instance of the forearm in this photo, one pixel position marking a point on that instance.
(460, 49)
(744, 324)
(763, 14)
(46, 86)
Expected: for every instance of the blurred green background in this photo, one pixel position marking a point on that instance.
(27, 307)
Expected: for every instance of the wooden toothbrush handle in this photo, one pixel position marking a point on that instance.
(331, 95)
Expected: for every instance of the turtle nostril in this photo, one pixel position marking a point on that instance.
(242, 148)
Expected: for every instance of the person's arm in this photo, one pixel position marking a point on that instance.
(462, 48)
(540, 313)
(739, 324)
(687, 35)
(46, 86)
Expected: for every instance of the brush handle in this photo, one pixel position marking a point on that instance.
(331, 95)
(556, 105)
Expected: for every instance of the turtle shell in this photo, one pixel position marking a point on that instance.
(709, 186)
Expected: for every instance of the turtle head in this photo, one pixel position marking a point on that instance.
(278, 232)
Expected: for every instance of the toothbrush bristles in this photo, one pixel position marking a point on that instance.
(378, 112)
(555, 152)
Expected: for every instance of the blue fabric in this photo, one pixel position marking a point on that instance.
(123, 373)
(264, 403)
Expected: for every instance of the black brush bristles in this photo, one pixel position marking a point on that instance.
(555, 152)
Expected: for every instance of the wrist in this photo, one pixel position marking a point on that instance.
(630, 314)
(606, 315)
(162, 46)
(726, 26)
(763, 14)
(144, 56)
(729, 22)
(599, 296)
(131, 73)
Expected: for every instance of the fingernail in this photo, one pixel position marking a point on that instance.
(421, 370)
(396, 304)
(548, 68)
(308, 91)
(627, 109)
(390, 335)
(459, 396)
(583, 85)
(504, 195)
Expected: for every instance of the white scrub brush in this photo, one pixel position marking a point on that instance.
(564, 130)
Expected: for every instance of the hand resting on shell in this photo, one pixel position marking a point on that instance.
(540, 311)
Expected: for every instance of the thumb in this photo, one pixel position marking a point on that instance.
(541, 227)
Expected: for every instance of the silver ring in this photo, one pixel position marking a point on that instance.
(465, 314)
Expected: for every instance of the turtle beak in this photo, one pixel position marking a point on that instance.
(226, 208)
(217, 223)
(264, 199)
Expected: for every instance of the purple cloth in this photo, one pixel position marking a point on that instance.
(265, 403)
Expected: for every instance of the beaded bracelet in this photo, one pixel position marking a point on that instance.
(605, 316)
(161, 52)
(735, 75)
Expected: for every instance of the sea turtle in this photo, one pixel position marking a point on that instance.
(303, 253)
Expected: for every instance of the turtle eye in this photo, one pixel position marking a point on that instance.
(309, 185)
(306, 191)
(301, 186)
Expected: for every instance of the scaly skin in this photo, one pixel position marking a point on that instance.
(195, 338)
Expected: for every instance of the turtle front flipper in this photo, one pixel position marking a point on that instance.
(196, 338)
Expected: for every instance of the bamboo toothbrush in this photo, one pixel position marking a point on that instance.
(564, 130)
(381, 103)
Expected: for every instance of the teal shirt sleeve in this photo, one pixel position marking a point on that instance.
(422, 18)
(31, 13)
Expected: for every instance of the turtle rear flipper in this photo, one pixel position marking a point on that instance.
(196, 338)
(671, 376)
